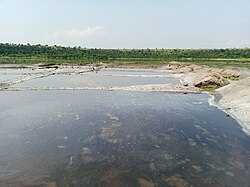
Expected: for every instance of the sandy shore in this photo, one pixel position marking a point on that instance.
(235, 100)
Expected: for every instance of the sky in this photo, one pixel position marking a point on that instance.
(127, 23)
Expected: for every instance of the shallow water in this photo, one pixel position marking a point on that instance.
(98, 79)
(103, 138)
(18, 71)
(247, 72)
(4, 78)
(8, 74)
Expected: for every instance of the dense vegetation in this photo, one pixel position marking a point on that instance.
(19, 53)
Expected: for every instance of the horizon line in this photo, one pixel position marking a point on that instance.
(157, 48)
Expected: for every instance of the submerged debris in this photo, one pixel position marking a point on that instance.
(176, 182)
(197, 168)
(229, 173)
(145, 183)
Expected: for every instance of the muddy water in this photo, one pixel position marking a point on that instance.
(103, 138)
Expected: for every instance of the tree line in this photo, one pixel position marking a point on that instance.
(78, 53)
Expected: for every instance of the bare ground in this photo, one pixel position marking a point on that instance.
(235, 100)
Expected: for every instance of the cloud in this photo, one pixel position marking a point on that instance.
(81, 33)
(73, 37)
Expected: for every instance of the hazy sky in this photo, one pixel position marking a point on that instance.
(127, 23)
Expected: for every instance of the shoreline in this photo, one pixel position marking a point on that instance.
(234, 99)
(243, 123)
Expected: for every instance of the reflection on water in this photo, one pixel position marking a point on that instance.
(101, 138)
(7, 74)
(20, 71)
(99, 79)
(8, 77)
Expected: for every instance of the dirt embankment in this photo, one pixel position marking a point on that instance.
(202, 77)
(235, 100)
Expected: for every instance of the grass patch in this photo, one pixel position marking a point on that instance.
(235, 64)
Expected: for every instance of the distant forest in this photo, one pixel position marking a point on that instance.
(19, 53)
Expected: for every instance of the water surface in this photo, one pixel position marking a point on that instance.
(98, 79)
(8, 74)
(103, 138)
